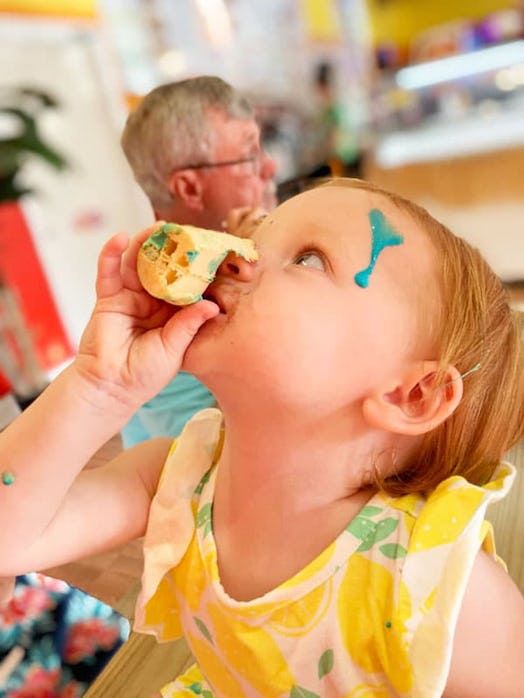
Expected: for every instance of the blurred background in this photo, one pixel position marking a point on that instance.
(429, 98)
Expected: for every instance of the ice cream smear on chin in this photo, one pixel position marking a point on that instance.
(178, 262)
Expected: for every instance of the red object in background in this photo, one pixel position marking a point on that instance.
(9, 407)
(5, 385)
(22, 272)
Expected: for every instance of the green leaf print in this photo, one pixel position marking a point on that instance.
(299, 692)
(361, 527)
(369, 510)
(393, 550)
(325, 663)
(200, 486)
(382, 530)
(196, 688)
(203, 629)
(204, 515)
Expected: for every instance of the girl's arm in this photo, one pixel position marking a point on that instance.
(488, 650)
(132, 347)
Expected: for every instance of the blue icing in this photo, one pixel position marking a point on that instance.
(383, 235)
(170, 228)
(192, 254)
(214, 264)
(159, 237)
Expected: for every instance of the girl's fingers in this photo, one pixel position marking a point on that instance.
(109, 277)
(129, 273)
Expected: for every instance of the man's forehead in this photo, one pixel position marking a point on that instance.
(248, 130)
(245, 127)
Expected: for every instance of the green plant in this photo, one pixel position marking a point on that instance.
(19, 111)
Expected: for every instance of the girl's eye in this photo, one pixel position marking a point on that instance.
(310, 259)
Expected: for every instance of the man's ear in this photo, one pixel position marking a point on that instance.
(416, 404)
(186, 185)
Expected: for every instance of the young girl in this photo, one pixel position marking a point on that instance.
(322, 534)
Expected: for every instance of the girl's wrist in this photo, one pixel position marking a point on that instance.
(99, 398)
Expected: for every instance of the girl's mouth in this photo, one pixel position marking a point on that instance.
(210, 294)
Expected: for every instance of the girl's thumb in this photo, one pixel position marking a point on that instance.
(181, 328)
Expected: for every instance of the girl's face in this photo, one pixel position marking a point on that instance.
(295, 329)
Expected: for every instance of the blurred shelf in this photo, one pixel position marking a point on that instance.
(451, 107)
(452, 138)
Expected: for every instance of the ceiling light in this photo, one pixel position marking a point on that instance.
(217, 20)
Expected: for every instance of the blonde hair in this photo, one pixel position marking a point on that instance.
(476, 325)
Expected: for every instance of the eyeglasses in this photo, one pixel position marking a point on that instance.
(255, 160)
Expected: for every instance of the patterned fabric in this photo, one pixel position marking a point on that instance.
(62, 636)
(372, 616)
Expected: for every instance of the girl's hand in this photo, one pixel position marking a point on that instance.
(133, 344)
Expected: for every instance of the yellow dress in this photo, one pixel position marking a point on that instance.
(372, 616)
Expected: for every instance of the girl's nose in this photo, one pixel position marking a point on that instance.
(236, 267)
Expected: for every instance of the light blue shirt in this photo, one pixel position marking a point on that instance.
(167, 413)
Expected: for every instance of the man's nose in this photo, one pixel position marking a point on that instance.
(268, 166)
(236, 267)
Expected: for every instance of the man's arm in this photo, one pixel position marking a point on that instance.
(488, 650)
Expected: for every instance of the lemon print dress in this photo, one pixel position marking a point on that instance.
(372, 616)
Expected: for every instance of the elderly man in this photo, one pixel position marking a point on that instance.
(194, 148)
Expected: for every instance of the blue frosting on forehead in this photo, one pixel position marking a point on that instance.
(383, 234)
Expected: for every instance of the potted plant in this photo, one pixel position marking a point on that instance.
(21, 141)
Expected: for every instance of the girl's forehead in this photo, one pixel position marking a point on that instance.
(366, 225)
(338, 208)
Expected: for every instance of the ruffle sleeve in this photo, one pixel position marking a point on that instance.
(449, 532)
(171, 521)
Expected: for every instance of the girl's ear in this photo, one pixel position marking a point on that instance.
(416, 405)
(186, 185)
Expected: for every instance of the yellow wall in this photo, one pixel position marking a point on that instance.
(62, 8)
(401, 20)
(321, 20)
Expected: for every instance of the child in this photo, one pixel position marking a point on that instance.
(323, 534)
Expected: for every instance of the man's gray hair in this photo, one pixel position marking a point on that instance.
(169, 129)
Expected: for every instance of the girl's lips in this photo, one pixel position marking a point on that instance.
(213, 294)
(225, 294)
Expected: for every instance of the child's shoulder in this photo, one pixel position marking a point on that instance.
(489, 627)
